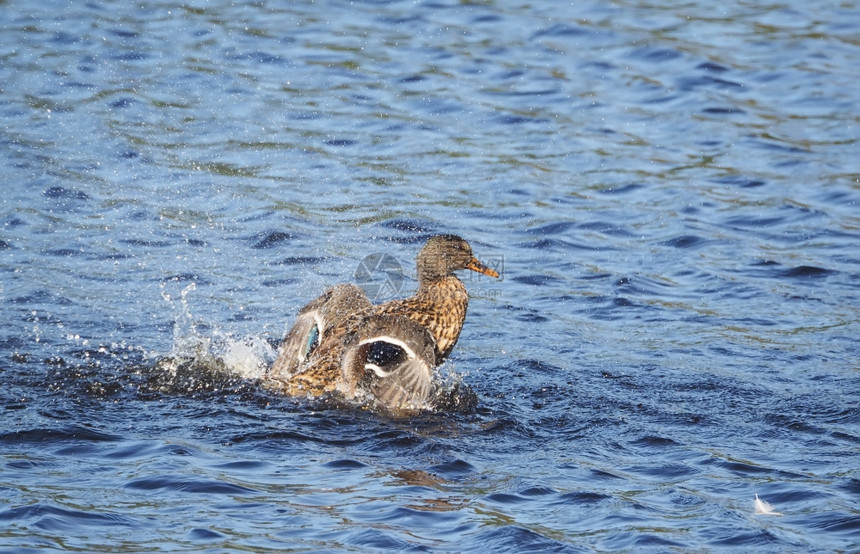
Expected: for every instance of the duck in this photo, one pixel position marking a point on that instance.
(440, 303)
(341, 342)
(338, 344)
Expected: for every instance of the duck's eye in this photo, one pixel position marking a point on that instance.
(383, 353)
(313, 340)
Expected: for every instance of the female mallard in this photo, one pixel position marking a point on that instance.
(338, 344)
(440, 303)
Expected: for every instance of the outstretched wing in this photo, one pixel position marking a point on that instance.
(313, 324)
(301, 340)
(392, 357)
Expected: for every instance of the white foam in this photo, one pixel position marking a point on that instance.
(248, 357)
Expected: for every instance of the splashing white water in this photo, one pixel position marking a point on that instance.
(246, 357)
(187, 342)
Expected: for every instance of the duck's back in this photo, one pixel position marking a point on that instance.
(440, 307)
(308, 361)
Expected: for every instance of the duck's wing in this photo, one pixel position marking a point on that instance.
(301, 340)
(314, 322)
(391, 357)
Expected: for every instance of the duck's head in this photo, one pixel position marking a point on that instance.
(392, 358)
(445, 254)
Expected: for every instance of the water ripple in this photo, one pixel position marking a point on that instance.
(168, 483)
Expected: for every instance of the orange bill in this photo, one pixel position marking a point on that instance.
(475, 265)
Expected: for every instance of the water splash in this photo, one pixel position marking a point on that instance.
(450, 391)
(203, 357)
(218, 352)
(248, 357)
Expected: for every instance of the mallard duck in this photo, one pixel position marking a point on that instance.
(339, 344)
(440, 303)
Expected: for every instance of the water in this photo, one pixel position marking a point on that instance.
(671, 191)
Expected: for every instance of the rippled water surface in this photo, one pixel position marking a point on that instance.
(670, 190)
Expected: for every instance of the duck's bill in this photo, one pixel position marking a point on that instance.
(475, 265)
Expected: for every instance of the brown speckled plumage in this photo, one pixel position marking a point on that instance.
(441, 300)
(440, 307)
(337, 312)
(334, 313)
(387, 350)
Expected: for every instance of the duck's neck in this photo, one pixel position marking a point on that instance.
(443, 291)
(443, 302)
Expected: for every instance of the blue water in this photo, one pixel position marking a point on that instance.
(671, 193)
